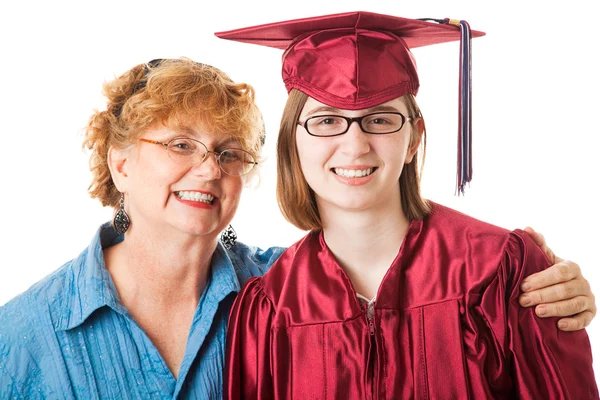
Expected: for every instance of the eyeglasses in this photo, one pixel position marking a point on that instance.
(380, 123)
(186, 151)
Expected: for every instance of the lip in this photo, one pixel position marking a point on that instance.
(197, 204)
(354, 166)
(354, 181)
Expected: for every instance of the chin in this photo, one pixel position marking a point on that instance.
(353, 204)
(197, 228)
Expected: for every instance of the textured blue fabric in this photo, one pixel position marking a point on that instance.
(69, 336)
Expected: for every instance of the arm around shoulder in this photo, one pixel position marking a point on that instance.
(546, 362)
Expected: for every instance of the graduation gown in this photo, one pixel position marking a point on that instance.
(446, 324)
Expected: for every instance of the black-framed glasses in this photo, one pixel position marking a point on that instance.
(186, 151)
(380, 123)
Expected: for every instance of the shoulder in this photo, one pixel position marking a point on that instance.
(484, 238)
(289, 267)
(464, 233)
(446, 218)
(252, 300)
(449, 246)
(260, 293)
(274, 263)
(522, 257)
(250, 261)
(28, 324)
(44, 297)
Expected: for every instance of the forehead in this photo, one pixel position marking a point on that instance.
(211, 125)
(314, 106)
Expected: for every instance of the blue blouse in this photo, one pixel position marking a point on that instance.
(69, 336)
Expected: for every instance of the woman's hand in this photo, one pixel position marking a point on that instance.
(559, 291)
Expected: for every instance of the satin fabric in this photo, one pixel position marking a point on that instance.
(447, 324)
(351, 60)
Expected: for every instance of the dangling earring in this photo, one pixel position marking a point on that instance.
(121, 220)
(228, 237)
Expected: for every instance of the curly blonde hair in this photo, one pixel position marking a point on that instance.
(175, 92)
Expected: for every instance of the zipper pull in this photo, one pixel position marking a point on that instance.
(369, 314)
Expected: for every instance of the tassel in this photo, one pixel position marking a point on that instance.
(464, 167)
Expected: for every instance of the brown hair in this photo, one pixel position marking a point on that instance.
(176, 93)
(295, 197)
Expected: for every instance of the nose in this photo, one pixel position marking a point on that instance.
(208, 168)
(355, 141)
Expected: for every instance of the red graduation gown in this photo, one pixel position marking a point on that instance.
(447, 324)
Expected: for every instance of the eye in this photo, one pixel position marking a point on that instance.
(183, 146)
(378, 120)
(326, 120)
(382, 122)
(229, 156)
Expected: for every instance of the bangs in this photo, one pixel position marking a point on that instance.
(217, 120)
(190, 94)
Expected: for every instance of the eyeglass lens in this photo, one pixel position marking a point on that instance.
(231, 161)
(329, 125)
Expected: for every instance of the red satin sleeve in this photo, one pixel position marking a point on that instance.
(546, 363)
(247, 372)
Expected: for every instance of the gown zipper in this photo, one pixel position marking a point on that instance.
(371, 360)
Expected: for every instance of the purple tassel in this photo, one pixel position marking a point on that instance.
(464, 165)
(464, 168)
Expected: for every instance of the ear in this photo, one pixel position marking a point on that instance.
(416, 136)
(117, 164)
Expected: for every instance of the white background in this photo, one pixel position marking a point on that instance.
(535, 115)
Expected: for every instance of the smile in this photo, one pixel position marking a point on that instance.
(195, 196)
(353, 173)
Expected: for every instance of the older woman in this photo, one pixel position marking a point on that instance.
(142, 312)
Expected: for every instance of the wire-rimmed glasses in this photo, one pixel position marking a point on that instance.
(187, 151)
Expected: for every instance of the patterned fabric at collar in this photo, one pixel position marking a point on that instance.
(90, 286)
(223, 271)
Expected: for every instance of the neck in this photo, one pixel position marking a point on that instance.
(365, 242)
(153, 267)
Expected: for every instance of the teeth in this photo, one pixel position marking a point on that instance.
(195, 196)
(353, 173)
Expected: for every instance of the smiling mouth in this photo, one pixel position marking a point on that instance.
(353, 173)
(195, 196)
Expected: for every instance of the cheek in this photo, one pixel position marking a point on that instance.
(392, 149)
(231, 188)
(161, 176)
(313, 152)
(154, 175)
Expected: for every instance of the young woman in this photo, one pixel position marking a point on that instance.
(390, 296)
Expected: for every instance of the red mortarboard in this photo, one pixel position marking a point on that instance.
(360, 59)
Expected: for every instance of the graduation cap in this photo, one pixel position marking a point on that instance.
(360, 59)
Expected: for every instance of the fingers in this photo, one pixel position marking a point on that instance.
(539, 239)
(566, 308)
(563, 271)
(563, 291)
(575, 323)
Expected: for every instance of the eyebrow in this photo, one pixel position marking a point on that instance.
(187, 130)
(335, 110)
